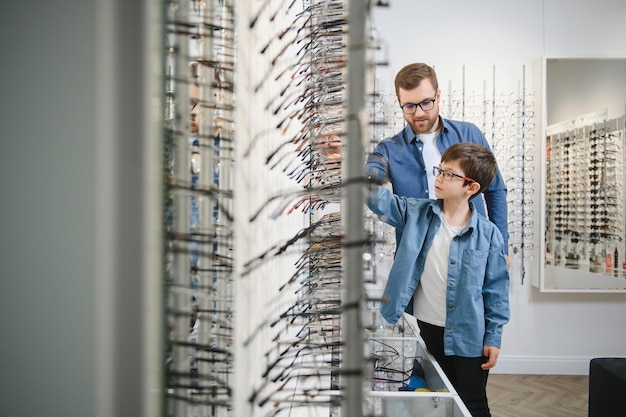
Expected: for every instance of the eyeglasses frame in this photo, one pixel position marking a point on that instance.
(437, 171)
(420, 105)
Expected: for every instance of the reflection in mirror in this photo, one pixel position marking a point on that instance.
(584, 188)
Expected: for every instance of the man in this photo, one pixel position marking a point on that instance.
(407, 158)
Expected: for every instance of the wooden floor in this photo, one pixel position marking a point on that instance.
(538, 395)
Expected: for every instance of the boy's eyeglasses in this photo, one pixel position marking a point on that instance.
(448, 175)
(426, 105)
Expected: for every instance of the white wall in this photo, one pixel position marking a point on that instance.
(576, 87)
(548, 332)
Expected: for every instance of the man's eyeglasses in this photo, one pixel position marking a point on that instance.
(448, 175)
(426, 105)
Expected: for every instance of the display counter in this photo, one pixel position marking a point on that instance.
(405, 380)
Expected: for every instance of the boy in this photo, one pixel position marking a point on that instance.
(453, 259)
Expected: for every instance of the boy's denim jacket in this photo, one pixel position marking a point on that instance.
(477, 297)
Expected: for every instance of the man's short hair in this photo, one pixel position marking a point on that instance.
(412, 75)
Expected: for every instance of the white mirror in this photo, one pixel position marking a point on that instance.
(584, 242)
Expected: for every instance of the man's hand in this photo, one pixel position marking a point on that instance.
(329, 146)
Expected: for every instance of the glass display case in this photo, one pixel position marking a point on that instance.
(404, 379)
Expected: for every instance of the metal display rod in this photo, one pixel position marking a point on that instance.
(352, 212)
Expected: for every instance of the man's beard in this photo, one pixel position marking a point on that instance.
(421, 129)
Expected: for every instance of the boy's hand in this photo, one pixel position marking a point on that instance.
(377, 169)
(491, 353)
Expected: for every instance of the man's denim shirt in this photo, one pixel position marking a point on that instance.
(401, 155)
(477, 297)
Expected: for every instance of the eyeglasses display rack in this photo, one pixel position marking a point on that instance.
(265, 137)
(199, 133)
(585, 206)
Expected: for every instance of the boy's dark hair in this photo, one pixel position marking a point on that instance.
(476, 161)
(412, 75)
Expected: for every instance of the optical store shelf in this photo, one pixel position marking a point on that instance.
(394, 350)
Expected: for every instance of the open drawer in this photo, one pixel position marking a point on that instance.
(405, 380)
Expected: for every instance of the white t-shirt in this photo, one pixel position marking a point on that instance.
(429, 302)
(432, 158)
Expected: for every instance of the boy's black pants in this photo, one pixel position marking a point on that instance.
(467, 377)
